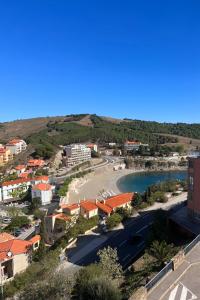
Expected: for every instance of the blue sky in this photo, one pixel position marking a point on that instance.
(120, 58)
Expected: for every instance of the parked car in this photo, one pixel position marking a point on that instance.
(6, 220)
(17, 232)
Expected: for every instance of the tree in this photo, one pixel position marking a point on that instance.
(108, 261)
(17, 222)
(35, 204)
(13, 211)
(162, 251)
(113, 220)
(93, 284)
(137, 200)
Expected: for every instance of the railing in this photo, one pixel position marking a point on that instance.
(158, 276)
(169, 266)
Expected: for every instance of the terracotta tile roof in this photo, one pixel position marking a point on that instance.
(14, 142)
(24, 175)
(88, 205)
(105, 208)
(35, 239)
(20, 167)
(132, 142)
(70, 206)
(62, 217)
(4, 237)
(42, 187)
(36, 162)
(14, 246)
(119, 200)
(16, 181)
(43, 177)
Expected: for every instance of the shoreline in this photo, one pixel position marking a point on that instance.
(93, 185)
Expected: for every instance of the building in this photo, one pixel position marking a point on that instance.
(35, 163)
(43, 191)
(93, 147)
(71, 209)
(16, 146)
(193, 204)
(8, 189)
(20, 169)
(5, 155)
(130, 146)
(55, 226)
(76, 153)
(88, 209)
(15, 255)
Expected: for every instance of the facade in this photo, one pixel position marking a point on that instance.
(20, 169)
(15, 255)
(55, 227)
(43, 191)
(71, 209)
(193, 205)
(16, 146)
(5, 155)
(88, 209)
(77, 153)
(133, 145)
(93, 147)
(8, 188)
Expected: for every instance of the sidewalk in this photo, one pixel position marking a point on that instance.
(168, 282)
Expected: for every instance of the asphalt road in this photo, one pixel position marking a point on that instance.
(120, 240)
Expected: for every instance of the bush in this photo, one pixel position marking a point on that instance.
(16, 222)
(114, 220)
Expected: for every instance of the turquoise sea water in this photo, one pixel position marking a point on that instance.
(139, 182)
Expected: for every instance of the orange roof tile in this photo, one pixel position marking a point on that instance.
(70, 206)
(43, 177)
(16, 181)
(20, 167)
(4, 237)
(119, 200)
(88, 205)
(42, 187)
(105, 208)
(36, 162)
(14, 246)
(24, 175)
(62, 217)
(35, 239)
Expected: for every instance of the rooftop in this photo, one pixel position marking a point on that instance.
(42, 187)
(4, 237)
(20, 167)
(70, 206)
(88, 205)
(105, 208)
(62, 217)
(119, 200)
(14, 247)
(35, 162)
(35, 239)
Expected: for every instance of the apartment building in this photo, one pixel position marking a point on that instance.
(133, 145)
(16, 146)
(8, 188)
(193, 205)
(5, 155)
(76, 153)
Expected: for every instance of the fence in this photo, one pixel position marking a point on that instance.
(168, 267)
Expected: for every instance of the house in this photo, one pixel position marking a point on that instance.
(130, 146)
(93, 147)
(121, 200)
(16, 146)
(71, 209)
(35, 163)
(20, 169)
(88, 209)
(43, 191)
(5, 155)
(15, 255)
(103, 208)
(8, 188)
(55, 226)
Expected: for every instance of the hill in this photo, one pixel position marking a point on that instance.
(45, 134)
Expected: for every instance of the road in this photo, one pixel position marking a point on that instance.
(127, 252)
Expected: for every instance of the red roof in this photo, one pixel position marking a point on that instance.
(4, 237)
(14, 246)
(35, 239)
(105, 208)
(62, 217)
(70, 206)
(23, 180)
(14, 142)
(88, 205)
(2, 150)
(42, 187)
(24, 175)
(36, 162)
(43, 177)
(20, 167)
(132, 142)
(119, 200)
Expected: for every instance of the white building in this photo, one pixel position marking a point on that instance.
(93, 147)
(133, 145)
(8, 188)
(43, 191)
(77, 153)
(16, 146)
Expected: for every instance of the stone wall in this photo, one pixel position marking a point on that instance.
(140, 294)
(178, 259)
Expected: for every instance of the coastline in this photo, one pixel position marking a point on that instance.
(104, 180)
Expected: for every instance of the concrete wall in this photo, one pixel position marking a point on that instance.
(20, 263)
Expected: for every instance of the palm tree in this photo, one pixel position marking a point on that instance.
(162, 251)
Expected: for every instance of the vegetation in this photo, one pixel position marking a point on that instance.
(17, 222)
(114, 220)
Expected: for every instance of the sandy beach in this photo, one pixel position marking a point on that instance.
(94, 184)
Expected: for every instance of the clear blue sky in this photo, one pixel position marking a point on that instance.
(123, 58)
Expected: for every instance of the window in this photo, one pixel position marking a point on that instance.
(191, 183)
